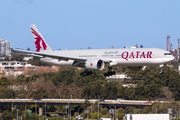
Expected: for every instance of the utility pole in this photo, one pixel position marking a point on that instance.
(156, 110)
(78, 110)
(178, 114)
(35, 107)
(115, 113)
(25, 105)
(70, 113)
(45, 109)
(98, 109)
(68, 109)
(17, 114)
(12, 106)
(91, 109)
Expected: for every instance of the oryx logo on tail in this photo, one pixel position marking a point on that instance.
(38, 41)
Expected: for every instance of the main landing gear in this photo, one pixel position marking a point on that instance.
(110, 72)
(86, 73)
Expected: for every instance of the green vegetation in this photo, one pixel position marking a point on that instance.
(150, 85)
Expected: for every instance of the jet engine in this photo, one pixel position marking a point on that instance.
(137, 68)
(95, 64)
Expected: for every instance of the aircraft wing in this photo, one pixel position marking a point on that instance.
(59, 57)
(28, 55)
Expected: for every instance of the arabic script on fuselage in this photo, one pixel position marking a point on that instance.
(111, 52)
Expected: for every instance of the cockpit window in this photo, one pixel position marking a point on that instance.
(167, 54)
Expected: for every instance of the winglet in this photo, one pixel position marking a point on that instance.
(41, 44)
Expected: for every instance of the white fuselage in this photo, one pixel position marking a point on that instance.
(118, 57)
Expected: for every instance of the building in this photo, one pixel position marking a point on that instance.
(129, 85)
(15, 68)
(118, 77)
(48, 68)
(5, 49)
(147, 117)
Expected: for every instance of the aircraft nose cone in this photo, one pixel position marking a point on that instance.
(172, 57)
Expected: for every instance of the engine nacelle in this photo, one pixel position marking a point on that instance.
(137, 68)
(95, 64)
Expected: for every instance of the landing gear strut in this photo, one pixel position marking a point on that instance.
(86, 72)
(162, 68)
(110, 72)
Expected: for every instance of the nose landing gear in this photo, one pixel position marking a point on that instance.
(162, 68)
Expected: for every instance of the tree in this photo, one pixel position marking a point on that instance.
(4, 81)
(83, 81)
(21, 78)
(86, 104)
(87, 91)
(104, 111)
(17, 57)
(95, 115)
(120, 91)
(7, 115)
(64, 76)
(96, 90)
(109, 90)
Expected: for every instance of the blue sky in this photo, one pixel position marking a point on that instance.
(70, 24)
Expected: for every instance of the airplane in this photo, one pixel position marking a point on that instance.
(98, 59)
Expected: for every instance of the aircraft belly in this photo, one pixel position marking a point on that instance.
(115, 62)
(139, 62)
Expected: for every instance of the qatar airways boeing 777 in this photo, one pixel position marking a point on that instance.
(98, 59)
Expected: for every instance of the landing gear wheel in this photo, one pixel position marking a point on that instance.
(109, 73)
(105, 74)
(81, 74)
(90, 72)
(85, 73)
